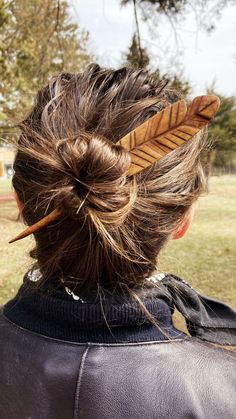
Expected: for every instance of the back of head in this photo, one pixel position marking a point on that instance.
(112, 225)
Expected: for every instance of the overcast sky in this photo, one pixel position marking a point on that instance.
(206, 57)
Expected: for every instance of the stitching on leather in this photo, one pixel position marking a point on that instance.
(78, 385)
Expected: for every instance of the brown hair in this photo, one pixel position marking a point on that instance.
(113, 226)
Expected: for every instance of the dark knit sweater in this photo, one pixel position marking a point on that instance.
(118, 318)
(115, 319)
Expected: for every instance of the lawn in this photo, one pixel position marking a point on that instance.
(5, 187)
(205, 257)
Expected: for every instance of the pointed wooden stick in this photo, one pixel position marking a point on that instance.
(155, 138)
(37, 226)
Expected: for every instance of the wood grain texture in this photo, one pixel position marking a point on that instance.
(37, 226)
(167, 130)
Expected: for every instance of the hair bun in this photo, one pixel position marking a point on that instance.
(96, 183)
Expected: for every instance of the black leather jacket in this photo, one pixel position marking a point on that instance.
(44, 377)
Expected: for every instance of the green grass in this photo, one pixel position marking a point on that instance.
(205, 257)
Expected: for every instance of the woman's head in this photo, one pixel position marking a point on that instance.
(113, 226)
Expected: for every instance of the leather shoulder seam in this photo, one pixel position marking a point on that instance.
(78, 384)
(98, 344)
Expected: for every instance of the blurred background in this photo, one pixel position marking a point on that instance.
(192, 44)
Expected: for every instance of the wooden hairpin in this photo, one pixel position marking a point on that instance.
(156, 137)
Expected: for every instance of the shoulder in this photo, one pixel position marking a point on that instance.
(185, 378)
(188, 353)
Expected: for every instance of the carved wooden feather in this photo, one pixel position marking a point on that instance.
(167, 130)
(155, 138)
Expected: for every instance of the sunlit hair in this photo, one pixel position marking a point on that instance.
(113, 226)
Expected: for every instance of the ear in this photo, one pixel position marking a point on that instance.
(182, 230)
(19, 203)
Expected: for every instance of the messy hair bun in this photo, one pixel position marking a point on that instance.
(112, 226)
(95, 180)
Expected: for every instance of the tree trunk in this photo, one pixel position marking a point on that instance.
(138, 34)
